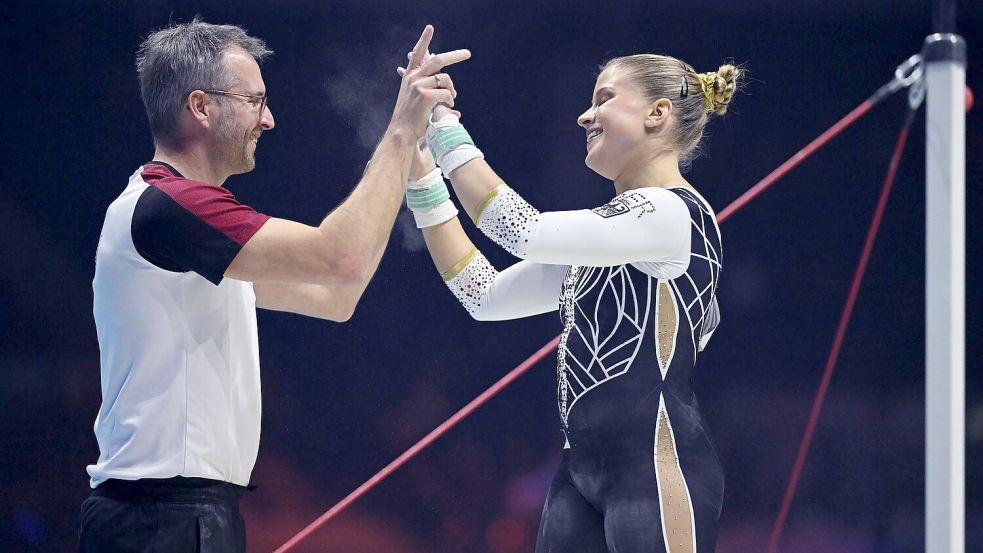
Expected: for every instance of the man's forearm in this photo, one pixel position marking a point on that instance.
(348, 296)
(365, 219)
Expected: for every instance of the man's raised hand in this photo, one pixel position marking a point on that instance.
(423, 85)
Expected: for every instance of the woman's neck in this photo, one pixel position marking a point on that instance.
(662, 171)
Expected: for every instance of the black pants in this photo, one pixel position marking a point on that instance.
(156, 515)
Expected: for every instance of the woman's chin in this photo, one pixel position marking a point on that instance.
(598, 168)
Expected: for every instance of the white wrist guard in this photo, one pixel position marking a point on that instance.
(428, 199)
(450, 144)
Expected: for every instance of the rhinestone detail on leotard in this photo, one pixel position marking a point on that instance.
(568, 298)
(469, 284)
(509, 221)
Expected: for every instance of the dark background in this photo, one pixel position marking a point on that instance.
(341, 401)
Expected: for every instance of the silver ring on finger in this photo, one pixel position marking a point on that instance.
(437, 78)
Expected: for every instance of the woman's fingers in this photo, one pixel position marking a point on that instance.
(441, 110)
(442, 96)
(443, 80)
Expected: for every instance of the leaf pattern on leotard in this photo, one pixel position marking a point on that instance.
(605, 346)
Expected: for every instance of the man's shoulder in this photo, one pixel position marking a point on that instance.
(179, 188)
(167, 189)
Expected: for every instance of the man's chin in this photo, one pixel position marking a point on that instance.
(245, 167)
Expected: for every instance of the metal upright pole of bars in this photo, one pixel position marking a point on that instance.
(944, 58)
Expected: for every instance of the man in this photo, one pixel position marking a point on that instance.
(181, 267)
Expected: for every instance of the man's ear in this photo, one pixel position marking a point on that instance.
(199, 107)
(659, 112)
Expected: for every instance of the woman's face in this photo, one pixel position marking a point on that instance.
(615, 123)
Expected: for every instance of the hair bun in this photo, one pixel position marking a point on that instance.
(725, 81)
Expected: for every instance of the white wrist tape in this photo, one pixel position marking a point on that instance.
(431, 179)
(458, 157)
(433, 216)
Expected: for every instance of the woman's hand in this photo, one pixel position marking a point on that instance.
(422, 160)
(440, 110)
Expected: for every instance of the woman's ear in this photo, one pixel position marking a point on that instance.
(659, 112)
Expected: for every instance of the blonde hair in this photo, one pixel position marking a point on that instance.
(694, 96)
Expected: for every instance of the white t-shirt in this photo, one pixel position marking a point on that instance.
(178, 342)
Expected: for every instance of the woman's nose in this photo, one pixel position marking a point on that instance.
(586, 118)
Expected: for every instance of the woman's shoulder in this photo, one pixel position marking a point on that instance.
(650, 197)
(692, 198)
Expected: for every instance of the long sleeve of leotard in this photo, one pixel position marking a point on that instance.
(649, 228)
(522, 290)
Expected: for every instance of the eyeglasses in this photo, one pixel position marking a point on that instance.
(254, 101)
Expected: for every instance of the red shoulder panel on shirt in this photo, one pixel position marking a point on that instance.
(214, 205)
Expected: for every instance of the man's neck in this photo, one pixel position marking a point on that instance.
(192, 164)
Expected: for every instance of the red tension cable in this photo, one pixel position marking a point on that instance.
(421, 445)
(834, 352)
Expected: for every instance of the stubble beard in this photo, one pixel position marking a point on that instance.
(233, 143)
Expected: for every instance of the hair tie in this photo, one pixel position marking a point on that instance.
(706, 83)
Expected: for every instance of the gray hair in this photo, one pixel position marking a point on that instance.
(180, 58)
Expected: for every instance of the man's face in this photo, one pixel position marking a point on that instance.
(241, 122)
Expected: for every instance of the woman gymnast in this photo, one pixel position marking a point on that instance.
(635, 283)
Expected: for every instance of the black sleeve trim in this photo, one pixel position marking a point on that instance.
(172, 238)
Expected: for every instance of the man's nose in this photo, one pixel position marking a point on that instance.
(266, 120)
